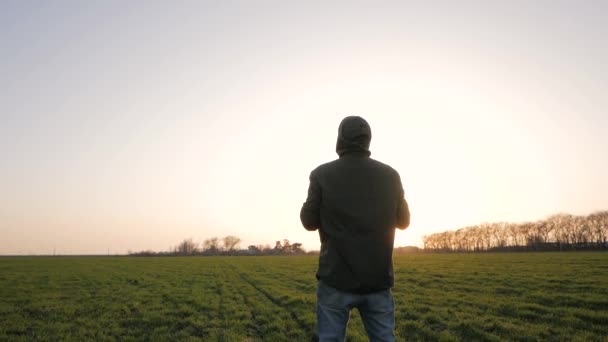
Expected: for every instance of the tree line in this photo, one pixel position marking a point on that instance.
(228, 245)
(558, 232)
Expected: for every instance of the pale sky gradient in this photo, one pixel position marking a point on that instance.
(132, 125)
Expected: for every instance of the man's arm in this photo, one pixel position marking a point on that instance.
(403, 210)
(310, 213)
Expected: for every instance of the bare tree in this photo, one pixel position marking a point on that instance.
(501, 235)
(187, 247)
(231, 243)
(426, 241)
(286, 246)
(459, 240)
(527, 233)
(599, 226)
(557, 231)
(543, 230)
(211, 246)
(581, 232)
(514, 233)
(469, 238)
(296, 248)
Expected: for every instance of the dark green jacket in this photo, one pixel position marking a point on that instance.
(356, 203)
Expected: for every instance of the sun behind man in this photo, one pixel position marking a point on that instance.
(356, 203)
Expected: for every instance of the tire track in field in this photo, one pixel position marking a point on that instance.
(220, 309)
(225, 289)
(254, 326)
(255, 323)
(300, 284)
(302, 325)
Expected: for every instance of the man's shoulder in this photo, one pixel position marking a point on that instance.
(385, 167)
(324, 167)
(335, 165)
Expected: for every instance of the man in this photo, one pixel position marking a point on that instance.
(356, 203)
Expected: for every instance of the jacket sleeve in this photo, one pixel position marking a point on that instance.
(403, 210)
(310, 214)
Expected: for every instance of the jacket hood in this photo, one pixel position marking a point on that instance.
(354, 135)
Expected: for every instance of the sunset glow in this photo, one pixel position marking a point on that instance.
(131, 126)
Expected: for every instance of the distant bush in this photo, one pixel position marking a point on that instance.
(227, 246)
(407, 250)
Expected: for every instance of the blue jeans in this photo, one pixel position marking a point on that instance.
(333, 311)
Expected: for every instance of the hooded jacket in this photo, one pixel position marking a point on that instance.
(355, 203)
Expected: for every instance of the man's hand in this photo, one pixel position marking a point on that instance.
(310, 213)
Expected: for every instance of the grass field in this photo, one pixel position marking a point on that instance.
(524, 297)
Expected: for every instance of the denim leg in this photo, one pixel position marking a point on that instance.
(378, 315)
(333, 312)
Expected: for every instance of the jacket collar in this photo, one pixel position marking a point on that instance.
(355, 153)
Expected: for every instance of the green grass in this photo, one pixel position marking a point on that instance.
(472, 297)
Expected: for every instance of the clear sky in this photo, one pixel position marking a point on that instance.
(131, 125)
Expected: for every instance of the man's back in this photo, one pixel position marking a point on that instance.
(358, 213)
(356, 203)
